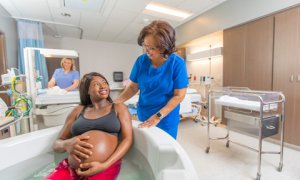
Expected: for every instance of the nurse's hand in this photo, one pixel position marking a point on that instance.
(151, 122)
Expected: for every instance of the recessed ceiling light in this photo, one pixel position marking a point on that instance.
(160, 10)
(66, 14)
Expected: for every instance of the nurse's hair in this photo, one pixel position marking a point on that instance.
(163, 33)
(84, 86)
(73, 68)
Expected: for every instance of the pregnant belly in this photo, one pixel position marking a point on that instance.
(104, 145)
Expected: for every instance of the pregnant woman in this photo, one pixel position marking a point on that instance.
(96, 134)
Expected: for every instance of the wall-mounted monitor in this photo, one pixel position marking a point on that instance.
(118, 76)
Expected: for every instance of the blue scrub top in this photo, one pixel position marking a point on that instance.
(157, 87)
(64, 80)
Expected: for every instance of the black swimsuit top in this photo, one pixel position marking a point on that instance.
(108, 123)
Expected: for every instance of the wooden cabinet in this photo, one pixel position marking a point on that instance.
(234, 56)
(265, 55)
(259, 54)
(247, 58)
(286, 73)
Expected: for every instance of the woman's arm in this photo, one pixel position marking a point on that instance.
(73, 86)
(179, 95)
(51, 83)
(75, 146)
(128, 92)
(122, 149)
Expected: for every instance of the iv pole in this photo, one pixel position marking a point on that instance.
(208, 81)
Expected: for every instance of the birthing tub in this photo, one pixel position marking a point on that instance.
(154, 155)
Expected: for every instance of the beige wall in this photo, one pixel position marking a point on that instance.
(203, 67)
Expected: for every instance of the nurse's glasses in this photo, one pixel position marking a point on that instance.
(149, 48)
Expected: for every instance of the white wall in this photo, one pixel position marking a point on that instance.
(229, 14)
(8, 26)
(102, 57)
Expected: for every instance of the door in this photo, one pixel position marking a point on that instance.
(259, 54)
(234, 56)
(3, 67)
(297, 89)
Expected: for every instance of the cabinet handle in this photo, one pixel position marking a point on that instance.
(298, 78)
(270, 127)
(292, 78)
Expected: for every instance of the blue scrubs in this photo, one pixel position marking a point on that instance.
(65, 80)
(157, 87)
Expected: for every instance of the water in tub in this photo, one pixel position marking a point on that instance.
(134, 167)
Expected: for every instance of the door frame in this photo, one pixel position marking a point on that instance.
(3, 67)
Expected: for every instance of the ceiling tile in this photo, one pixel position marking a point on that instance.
(33, 9)
(74, 18)
(11, 8)
(118, 20)
(92, 24)
(133, 5)
(68, 31)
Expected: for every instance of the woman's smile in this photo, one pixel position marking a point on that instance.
(103, 91)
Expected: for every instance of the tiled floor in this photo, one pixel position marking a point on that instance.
(235, 162)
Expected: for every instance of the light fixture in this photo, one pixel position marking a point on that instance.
(206, 54)
(58, 53)
(66, 14)
(159, 10)
(84, 5)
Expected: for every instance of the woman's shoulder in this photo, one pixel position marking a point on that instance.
(177, 58)
(143, 57)
(77, 110)
(120, 106)
(75, 72)
(58, 69)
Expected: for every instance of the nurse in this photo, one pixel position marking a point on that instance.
(65, 77)
(161, 77)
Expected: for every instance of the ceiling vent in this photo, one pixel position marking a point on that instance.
(84, 5)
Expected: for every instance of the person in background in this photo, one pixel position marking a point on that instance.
(96, 134)
(65, 77)
(161, 77)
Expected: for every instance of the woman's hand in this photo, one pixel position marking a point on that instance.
(78, 148)
(151, 122)
(91, 168)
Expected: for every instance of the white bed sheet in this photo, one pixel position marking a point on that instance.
(71, 97)
(244, 104)
(185, 105)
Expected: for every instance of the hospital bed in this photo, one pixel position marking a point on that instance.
(257, 113)
(189, 107)
(55, 105)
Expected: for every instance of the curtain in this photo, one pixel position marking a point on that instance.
(30, 34)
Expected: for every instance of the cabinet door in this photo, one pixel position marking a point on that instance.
(285, 61)
(297, 89)
(234, 56)
(259, 54)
